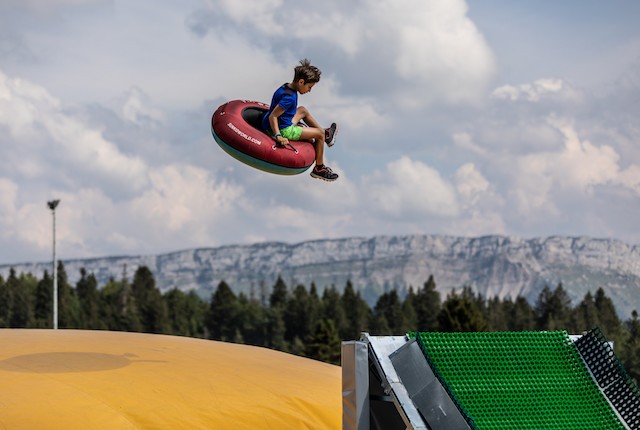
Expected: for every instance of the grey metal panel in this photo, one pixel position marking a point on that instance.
(381, 347)
(355, 386)
(425, 390)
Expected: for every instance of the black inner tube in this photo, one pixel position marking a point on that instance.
(253, 117)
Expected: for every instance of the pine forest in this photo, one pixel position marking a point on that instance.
(297, 318)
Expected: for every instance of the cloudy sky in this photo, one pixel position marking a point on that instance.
(461, 118)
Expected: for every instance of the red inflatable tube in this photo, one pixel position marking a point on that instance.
(236, 128)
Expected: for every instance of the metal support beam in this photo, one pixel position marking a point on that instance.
(355, 386)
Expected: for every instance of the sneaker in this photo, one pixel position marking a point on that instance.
(325, 173)
(330, 135)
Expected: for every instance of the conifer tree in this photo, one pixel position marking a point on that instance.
(43, 307)
(252, 321)
(277, 329)
(196, 308)
(409, 316)
(182, 315)
(607, 316)
(68, 306)
(389, 307)
(108, 304)
(128, 317)
(21, 308)
(497, 314)
(553, 309)
(427, 304)
(89, 300)
(315, 306)
(6, 299)
(298, 347)
(379, 325)
(585, 315)
(223, 312)
(460, 313)
(148, 299)
(299, 314)
(279, 294)
(332, 310)
(543, 308)
(356, 312)
(522, 317)
(559, 309)
(323, 343)
(631, 350)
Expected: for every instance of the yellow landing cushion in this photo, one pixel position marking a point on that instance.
(68, 379)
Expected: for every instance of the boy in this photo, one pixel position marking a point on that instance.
(281, 121)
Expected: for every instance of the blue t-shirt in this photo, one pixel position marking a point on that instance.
(288, 99)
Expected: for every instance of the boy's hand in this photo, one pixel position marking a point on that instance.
(281, 140)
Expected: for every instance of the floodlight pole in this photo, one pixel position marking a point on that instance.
(52, 205)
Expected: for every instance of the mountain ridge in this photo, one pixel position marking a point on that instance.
(493, 265)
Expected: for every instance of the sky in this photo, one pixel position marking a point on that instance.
(464, 118)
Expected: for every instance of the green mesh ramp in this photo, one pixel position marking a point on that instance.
(518, 380)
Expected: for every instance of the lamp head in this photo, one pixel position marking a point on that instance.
(53, 204)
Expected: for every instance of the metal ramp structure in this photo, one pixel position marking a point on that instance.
(385, 380)
(486, 381)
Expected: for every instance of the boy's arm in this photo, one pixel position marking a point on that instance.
(273, 122)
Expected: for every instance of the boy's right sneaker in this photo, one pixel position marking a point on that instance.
(330, 134)
(324, 172)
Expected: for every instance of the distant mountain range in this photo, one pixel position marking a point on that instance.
(492, 265)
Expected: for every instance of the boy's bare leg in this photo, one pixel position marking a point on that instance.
(304, 114)
(318, 135)
(314, 131)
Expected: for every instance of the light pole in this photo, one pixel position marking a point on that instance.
(52, 205)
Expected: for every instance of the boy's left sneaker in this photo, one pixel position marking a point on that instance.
(324, 172)
(330, 135)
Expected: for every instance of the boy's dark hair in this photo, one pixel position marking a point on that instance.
(307, 72)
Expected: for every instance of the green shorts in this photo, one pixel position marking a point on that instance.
(293, 132)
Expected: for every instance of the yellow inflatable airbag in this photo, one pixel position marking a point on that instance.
(68, 379)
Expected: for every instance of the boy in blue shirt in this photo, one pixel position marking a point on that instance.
(281, 121)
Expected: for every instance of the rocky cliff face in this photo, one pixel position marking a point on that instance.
(492, 265)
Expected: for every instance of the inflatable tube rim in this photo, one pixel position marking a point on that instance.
(254, 162)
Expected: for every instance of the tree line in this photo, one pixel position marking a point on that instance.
(300, 320)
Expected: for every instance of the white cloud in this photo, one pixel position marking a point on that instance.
(465, 141)
(8, 194)
(260, 14)
(439, 46)
(408, 52)
(183, 207)
(20, 103)
(109, 198)
(45, 140)
(335, 26)
(115, 46)
(555, 163)
(411, 188)
(136, 108)
(359, 114)
(543, 179)
(470, 183)
(538, 90)
(630, 178)
(25, 222)
(581, 165)
(481, 206)
(184, 196)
